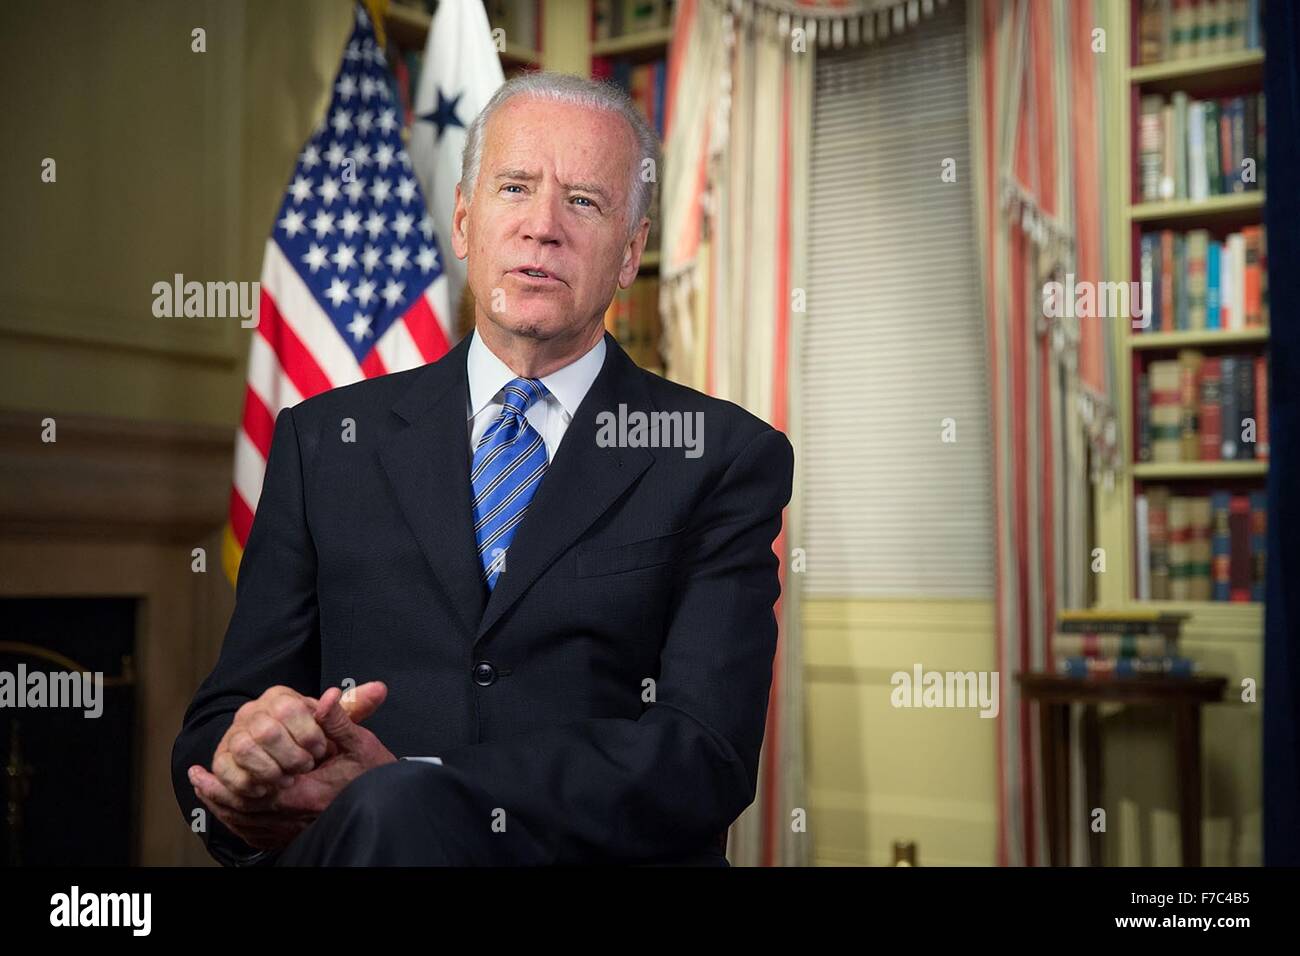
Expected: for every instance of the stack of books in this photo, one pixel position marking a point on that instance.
(1119, 644)
(1198, 282)
(616, 18)
(1180, 29)
(1200, 547)
(633, 319)
(1200, 408)
(1194, 149)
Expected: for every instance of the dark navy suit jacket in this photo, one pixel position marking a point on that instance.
(632, 565)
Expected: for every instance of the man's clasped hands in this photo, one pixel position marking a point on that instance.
(284, 759)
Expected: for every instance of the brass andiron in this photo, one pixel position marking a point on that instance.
(904, 853)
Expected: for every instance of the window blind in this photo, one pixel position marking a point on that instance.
(894, 342)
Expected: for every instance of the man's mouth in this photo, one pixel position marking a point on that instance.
(538, 276)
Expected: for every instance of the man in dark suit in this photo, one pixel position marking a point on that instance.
(525, 615)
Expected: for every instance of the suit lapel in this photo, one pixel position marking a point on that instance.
(428, 465)
(582, 482)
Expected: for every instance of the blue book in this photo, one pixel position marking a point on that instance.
(1252, 25)
(1180, 282)
(1220, 547)
(1213, 256)
(1258, 525)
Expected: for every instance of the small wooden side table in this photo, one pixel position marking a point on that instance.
(1054, 694)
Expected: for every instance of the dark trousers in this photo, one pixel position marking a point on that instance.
(411, 813)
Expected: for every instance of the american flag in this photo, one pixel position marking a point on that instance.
(352, 282)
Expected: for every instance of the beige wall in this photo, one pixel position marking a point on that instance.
(167, 161)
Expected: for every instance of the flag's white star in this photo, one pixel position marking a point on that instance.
(403, 223)
(355, 189)
(301, 189)
(364, 291)
(375, 225)
(387, 120)
(427, 259)
(344, 258)
(364, 122)
(384, 156)
(328, 190)
(323, 223)
(342, 121)
(398, 258)
(315, 257)
(406, 190)
(367, 88)
(370, 257)
(354, 52)
(392, 293)
(426, 226)
(379, 190)
(292, 223)
(338, 292)
(310, 156)
(350, 223)
(335, 155)
(347, 87)
(359, 326)
(361, 155)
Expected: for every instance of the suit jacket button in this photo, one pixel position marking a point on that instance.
(485, 675)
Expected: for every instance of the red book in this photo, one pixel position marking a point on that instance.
(1254, 241)
(1211, 411)
(1242, 564)
(1261, 406)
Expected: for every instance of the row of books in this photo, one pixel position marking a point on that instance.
(1179, 29)
(1194, 149)
(1198, 282)
(1110, 644)
(633, 319)
(616, 18)
(1208, 547)
(645, 83)
(1199, 408)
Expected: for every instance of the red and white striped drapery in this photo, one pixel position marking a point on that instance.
(1038, 150)
(736, 151)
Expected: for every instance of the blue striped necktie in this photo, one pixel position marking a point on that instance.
(508, 466)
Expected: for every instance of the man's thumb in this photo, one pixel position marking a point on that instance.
(362, 701)
(333, 719)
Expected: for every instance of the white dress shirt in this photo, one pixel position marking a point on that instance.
(550, 417)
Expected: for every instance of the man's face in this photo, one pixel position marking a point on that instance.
(551, 195)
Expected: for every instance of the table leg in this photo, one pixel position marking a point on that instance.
(1188, 731)
(1091, 734)
(1054, 751)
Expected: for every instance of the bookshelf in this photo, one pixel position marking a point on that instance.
(1205, 76)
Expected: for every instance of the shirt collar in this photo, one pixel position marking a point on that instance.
(570, 384)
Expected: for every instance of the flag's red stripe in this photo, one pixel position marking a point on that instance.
(295, 358)
(241, 517)
(259, 423)
(426, 330)
(373, 365)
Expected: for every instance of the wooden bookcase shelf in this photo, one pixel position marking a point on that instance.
(1190, 213)
(1210, 338)
(1201, 74)
(646, 44)
(1198, 470)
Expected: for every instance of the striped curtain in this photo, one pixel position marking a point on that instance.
(1038, 150)
(736, 152)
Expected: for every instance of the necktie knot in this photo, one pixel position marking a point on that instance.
(520, 394)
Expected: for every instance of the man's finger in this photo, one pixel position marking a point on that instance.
(235, 778)
(252, 756)
(363, 700)
(213, 792)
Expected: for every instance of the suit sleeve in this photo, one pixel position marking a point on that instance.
(673, 779)
(273, 637)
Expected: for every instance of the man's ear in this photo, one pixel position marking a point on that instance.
(632, 254)
(460, 226)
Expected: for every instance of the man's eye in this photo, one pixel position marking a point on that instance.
(584, 199)
(512, 186)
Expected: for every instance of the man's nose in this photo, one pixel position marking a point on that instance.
(542, 222)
